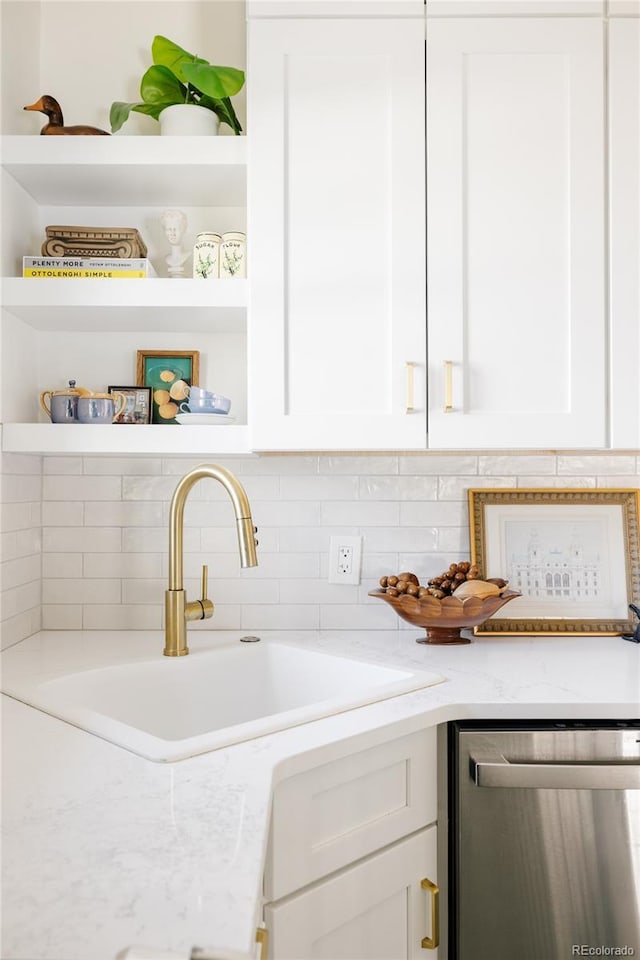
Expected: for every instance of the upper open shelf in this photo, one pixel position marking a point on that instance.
(129, 171)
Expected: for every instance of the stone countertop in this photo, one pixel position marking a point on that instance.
(103, 849)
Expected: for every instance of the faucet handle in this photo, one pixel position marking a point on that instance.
(200, 609)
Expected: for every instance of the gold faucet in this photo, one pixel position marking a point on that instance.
(177, 610)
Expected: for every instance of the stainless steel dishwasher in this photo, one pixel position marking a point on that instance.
(544, 841)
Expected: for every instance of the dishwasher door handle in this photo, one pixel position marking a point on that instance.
(556, 776)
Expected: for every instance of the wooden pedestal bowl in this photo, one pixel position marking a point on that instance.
(444, 619)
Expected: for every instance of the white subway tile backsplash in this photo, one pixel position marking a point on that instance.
(433, 513)
(81, 591)
(15, 629)
(359, 465)
(58, 616)
(122, 617)
(360, 513)
(151, 488)
(318, 488)
(63, 513)
(15, 573)
(280, 616)
(596, 464)
(516, 465)
(400, 539)
(317, 591)
(457, 488)
(123, 513)
(436, 464)
(306, 539)
(21, 489)
(20, 465)
(282, 566)
(154, 539)
(63, 565)
(148, 591)
(84, 541)
(21, 599)
(293, 513)
(122, 466)
(276, 464)
(81, 488)
(627, 481)
(398, 488)
(555, 481)
(19, 516)
(454, 540)
(62, 466)
(127, 566)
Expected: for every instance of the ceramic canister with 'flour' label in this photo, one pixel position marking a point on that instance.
(206, 256)
(232, 255)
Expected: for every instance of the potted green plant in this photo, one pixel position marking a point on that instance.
(179, 80)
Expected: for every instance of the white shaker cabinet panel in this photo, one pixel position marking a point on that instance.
(375, 910)
(516, 275)
(624, 234)
(337, 325)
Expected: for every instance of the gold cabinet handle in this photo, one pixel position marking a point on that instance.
(262, 937)
(410, 387)
(448, 386)
(430, 943)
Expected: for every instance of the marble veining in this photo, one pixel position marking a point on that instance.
(103, 849)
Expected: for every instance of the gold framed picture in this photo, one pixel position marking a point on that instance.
(573, 555)
(168, 373)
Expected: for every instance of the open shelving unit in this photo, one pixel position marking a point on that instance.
(121, 171)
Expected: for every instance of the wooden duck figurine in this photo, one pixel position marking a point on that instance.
(55, 127)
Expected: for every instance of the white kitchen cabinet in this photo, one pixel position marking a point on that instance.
(624, 225)
(516, 236)
(336, 218)
(352, 839)
(376, 910)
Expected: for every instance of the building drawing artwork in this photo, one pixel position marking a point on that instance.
(556, 571)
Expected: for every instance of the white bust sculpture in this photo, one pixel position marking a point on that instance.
(174, 224)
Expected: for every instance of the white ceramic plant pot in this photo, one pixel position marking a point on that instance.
(188, 120)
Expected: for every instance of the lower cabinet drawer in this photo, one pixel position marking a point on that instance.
(334, 814)
(378, 909)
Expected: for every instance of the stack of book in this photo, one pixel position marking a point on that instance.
(45, 268)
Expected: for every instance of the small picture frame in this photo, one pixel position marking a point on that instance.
(574, 555)
(138, 407)
(168, 374)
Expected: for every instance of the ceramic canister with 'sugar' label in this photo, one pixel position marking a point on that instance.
(206, 256)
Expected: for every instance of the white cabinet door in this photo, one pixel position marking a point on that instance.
(376, 910)
(624, 234)
(337, 324)
(515, 192)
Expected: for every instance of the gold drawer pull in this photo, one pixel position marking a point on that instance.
(448, 386)
(262, 937)
(410, 387)
(430, 943)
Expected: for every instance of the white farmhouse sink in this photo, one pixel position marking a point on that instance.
(170, 708)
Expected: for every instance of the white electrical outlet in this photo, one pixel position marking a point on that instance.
(345, 559)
